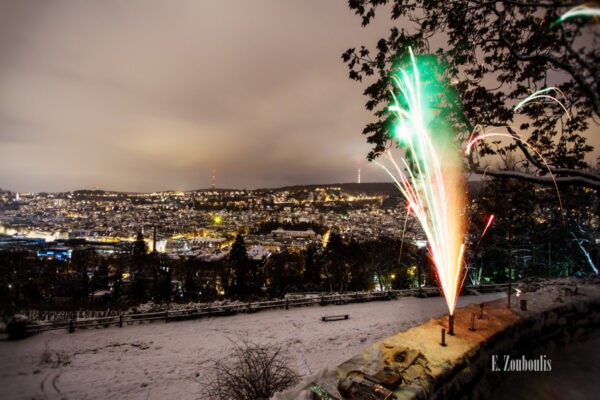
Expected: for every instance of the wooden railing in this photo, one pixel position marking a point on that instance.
(231, 309)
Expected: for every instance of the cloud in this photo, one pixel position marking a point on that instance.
(150, 95)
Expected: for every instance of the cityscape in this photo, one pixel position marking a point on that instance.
(201, 225)
(189, 223)
(367, 199)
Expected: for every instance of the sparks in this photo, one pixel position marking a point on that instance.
(490, 220)
(436, 199)
(540, 95)
(484, 135)
(408, 210)
(487, 226)
(580, 11)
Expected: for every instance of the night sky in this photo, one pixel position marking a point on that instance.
(154, 95)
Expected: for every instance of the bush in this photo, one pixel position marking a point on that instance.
(252, 372)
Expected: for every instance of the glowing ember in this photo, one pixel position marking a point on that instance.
(437, 199)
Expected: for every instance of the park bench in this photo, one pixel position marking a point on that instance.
(334, 317)
(570, 291)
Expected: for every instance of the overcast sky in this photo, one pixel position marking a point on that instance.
(153, 95)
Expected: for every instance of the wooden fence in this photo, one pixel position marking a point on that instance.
(122, 320)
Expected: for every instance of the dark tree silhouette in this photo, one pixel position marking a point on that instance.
(312, 269)
(361, 278)
(489, 55)
(82, 261)
(528, 233)
(100, 278)
(139, 269)
(246, 277)
(162, 270)
(335, 264)
(285, 272)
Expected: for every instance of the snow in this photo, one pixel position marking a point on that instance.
(424, 338)
(172, 360)
(541, 296)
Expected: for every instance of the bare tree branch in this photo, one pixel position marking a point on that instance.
(545, 180)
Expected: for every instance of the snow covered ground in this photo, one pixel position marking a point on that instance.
(171, 361)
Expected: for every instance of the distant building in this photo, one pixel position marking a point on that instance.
(59, 253)
(257, 253)
(280, 232)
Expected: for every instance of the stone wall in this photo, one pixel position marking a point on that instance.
(532, 337)
(558, 314)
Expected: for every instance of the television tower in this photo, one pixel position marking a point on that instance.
(213, 179)
(359, 175)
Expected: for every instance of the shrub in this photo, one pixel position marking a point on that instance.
(252, 372)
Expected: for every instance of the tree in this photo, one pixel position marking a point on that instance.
(18, 268)
(488, 55)
(528, 234)
(583, 208)
(140, 274)
(187, 270)
(336, 264)
(161, 269)
(245, 271)
(100, 278)
(360, 277)
(82, 261)
(382, 259)
(119, 266)
(312, 269)
(508, 244)
(140, 250)
(285, 272)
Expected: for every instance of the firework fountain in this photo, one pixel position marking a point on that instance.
(429, 177)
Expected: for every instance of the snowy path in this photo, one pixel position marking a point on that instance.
(165, 361)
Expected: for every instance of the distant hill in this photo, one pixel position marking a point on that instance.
(218, 190)
(89, 192)
(386, 188)
(370, 188)
(352, 188)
